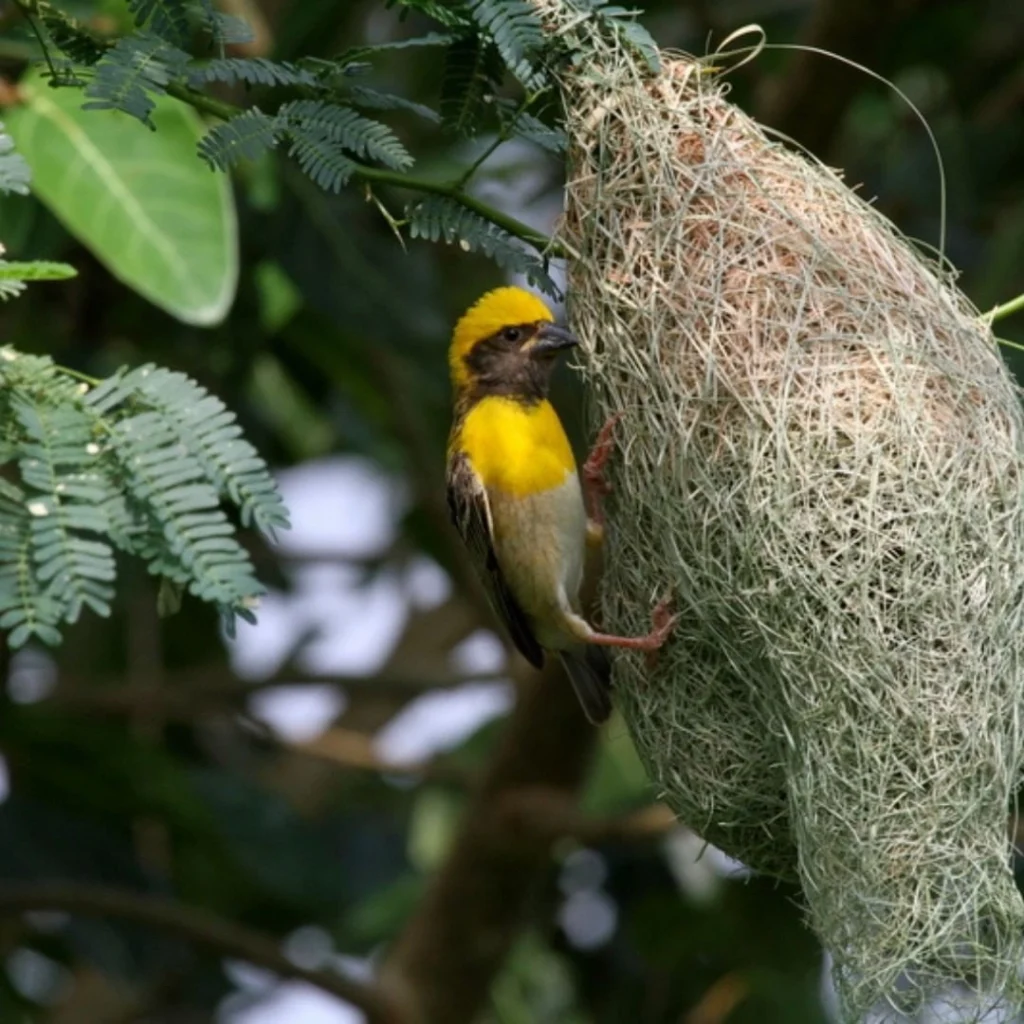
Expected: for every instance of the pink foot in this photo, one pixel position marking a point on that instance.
(662, 622)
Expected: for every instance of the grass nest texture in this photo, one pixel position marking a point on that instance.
(820, 456)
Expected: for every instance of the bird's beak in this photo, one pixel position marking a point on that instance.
(551, 338)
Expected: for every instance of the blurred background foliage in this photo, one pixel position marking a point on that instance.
(147, 756)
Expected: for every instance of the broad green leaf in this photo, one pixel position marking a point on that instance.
(140, 200)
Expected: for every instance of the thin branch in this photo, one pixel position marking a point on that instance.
(499, 140)
(194, 925)
(550, 814)
(187, 693)
(354, 750)
(537, 239)
(1006, 309)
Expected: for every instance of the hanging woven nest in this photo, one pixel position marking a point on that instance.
(821, 456)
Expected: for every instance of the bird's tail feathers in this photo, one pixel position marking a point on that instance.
(590, 672)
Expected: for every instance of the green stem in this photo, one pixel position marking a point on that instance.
(499, 140)
(201, 102)
(1010, 344)
(382, 176)
(1006, 309)
(451, 190)
(78, 375)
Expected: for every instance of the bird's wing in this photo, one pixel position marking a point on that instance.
(471, 514)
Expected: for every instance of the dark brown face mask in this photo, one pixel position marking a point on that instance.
(517, 360)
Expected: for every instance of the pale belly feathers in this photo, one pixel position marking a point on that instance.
(540, 541)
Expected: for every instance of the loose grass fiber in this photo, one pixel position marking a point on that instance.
(820, 457)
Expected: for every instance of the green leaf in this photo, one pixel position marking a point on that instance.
(472, 71)
(451, 14)
(439, 218)
(245, 137)
(64, 497)
(168, 18)
(252, 71)
(140, 201)
(622, 22)
(525, 126)
(373, 99)
(320, 159)
(14, 172)
(362, 52)
(227, 29)
(360, 135)
(25, 611)
(36, 270)
(516, 30)
(75, 42)
(130, 71)
(14, 275)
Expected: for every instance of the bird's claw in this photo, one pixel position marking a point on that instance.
(662, 623)
(595, 484)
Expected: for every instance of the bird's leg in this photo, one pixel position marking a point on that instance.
(595, 486)
(662, 621)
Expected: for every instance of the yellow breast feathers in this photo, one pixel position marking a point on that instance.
(516, 448)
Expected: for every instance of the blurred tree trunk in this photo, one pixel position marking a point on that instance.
(442, 966)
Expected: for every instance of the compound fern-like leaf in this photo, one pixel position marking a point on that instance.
(210, 431)
(246, 137)
(26, 612)
(344, 127)
(167, 18)
(72, 40)
(131, 69)
(170, 484)
(372, 99)
(321, 159)
(439, 218)
(251, 71)
(64, 495)
(14, 172)
(472, 73)
(516, 30)
(451, 13)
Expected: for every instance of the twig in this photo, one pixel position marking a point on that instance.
(1004, 310)
(499, 140)
(351, 749)
(189, 691)
(194, 925)
(550, 814)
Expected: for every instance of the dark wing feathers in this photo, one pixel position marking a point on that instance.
(471, 514)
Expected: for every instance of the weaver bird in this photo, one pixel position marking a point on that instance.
(515, 496)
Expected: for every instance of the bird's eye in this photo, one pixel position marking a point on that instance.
(512, 334)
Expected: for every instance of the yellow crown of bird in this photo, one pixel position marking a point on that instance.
(499, 308)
